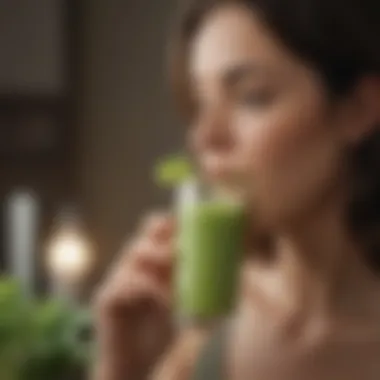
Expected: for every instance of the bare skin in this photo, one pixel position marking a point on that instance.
(133, 305)
(265, 129)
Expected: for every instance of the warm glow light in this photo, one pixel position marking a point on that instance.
(69, 256)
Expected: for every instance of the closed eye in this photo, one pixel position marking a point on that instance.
(255, 98)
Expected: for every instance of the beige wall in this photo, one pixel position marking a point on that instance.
(127, 116)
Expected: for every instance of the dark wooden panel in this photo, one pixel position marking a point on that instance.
(31, 127)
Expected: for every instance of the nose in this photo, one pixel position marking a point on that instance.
(212, 132)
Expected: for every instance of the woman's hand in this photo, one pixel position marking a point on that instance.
(133, 306)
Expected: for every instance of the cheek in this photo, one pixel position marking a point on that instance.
(271, 143)
(291, 156)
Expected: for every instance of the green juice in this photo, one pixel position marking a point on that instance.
(210, 248)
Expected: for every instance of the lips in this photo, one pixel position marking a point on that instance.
(215, 169)
(222, 173)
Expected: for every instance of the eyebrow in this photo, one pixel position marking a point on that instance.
(237, 72)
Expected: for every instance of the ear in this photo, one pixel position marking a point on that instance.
(362, 110)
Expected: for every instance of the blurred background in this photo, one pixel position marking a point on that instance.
(85, 112)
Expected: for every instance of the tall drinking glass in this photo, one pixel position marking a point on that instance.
(210, 242)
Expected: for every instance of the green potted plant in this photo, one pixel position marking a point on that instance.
(41, 339)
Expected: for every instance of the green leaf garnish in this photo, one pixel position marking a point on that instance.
(173, 170)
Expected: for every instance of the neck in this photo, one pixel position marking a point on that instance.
(318, 270)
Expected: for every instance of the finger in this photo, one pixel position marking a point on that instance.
(132, 249)
(139, 287)
(151, 252)
(143, 257)
(130, 291)
(158, 226)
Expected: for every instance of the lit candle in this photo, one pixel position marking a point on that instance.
(21, 225)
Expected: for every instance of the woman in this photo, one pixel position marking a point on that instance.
(283, 99)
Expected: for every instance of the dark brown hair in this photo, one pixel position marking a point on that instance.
(340, 39)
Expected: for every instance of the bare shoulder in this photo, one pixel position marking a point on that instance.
(179, 361)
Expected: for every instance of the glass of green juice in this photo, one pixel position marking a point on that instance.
(210, 246)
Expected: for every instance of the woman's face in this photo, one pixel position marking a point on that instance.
(263, 125)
